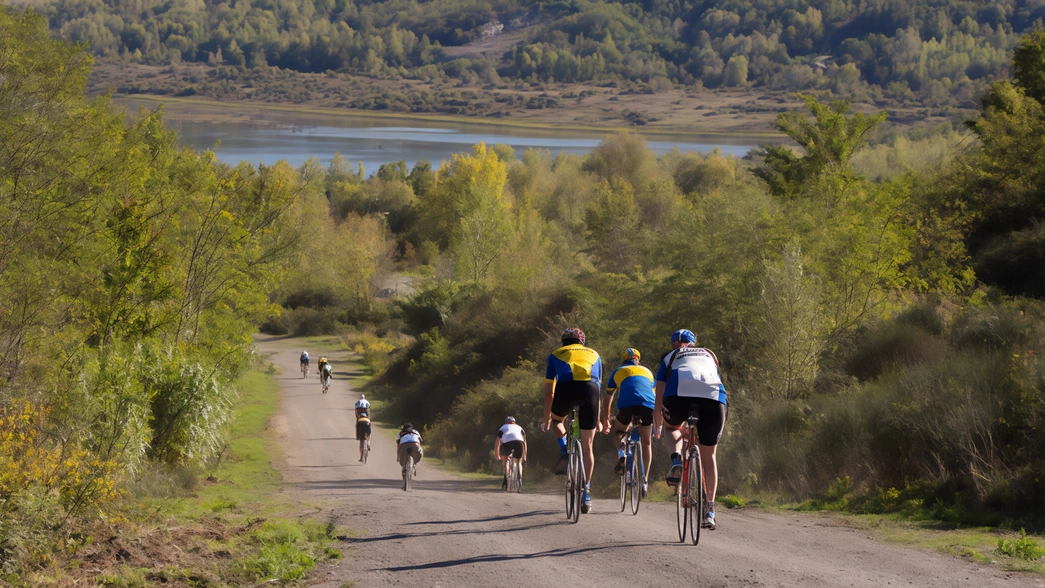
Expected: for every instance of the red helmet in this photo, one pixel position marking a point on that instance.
(573, 333)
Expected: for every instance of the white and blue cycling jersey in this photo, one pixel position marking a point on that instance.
(691, 372)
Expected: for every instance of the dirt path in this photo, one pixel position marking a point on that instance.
(453, 531)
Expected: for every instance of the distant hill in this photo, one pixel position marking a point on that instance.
(932, 52)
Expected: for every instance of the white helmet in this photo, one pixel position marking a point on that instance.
(362, 396)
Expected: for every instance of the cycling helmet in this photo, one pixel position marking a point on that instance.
(630, 354)
(408, 426)
(509, 420)
(573, 333)
(683, 336)
(362, 396)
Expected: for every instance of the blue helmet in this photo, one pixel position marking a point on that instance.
(683, 336)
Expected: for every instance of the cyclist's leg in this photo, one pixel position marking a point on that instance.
(618, 432)
(646, 440)
(588, 420)
(709, 430)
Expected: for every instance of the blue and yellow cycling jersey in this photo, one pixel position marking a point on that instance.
(574, 363)
(635, 383)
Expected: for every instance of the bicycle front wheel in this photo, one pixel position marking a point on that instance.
(696, 497)
(623, 490)
(635, 483)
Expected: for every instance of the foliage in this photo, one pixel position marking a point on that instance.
(937, 53)
(1022, 548)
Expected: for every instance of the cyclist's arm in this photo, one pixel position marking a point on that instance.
(658, 415)
(497, 446)
(607, 408)
(524, 445)
(549, 394)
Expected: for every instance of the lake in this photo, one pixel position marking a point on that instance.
(267, 136)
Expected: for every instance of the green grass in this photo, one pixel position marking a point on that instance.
(240, 501)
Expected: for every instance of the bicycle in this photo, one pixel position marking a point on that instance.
(325, 381)
(365, 444)
(304, 370)
(634, 468)
(574, 467)
(409, 471)
(513, 470)
(690, 504)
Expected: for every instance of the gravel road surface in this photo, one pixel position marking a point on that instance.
(456, 531)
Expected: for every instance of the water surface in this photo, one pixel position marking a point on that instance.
(268, 136)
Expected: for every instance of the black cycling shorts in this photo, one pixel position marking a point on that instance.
(509, 446)
(644, 413)
(362, 429)
(712, 415)
(586, 393)
(410, 449)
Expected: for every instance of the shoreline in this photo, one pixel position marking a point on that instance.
(195, 104)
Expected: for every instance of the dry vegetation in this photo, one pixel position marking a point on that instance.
(672, 109)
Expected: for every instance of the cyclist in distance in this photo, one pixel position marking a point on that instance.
(304, 361)
(324, 369)
(573, 375)
(688, 378)
(634, 383)
(362, 423)
(408, 443)
(510, 438)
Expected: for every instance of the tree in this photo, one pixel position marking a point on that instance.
(829, 140)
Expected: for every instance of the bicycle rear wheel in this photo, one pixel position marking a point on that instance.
(681, 509)
(408, 473)
(366, 450)
(697, 505)
(515, 481)
(569, 488)
(635, 472)
(576, 479)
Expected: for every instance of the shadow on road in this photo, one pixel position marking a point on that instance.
(397, 484)
(505, 517)
(493, 558)
(445, 533)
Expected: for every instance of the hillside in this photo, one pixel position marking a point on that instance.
(926, 52)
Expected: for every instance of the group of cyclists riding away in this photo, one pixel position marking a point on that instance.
(687, 384)
(326, 371)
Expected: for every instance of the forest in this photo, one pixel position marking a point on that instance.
(941, 54)
(879, 317)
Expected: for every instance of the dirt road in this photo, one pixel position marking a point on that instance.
(454, 531)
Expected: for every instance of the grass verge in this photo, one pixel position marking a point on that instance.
(177, 529)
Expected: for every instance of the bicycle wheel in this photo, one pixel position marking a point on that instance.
(681, 509)
(577, 479)
(635, 473)
(696, 497)
(408, 473)
(569, 488)
(366, 450)
(515, 480)
(624, 486)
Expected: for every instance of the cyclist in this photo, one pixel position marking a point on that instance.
(324, 371)
(408, 443)
(510, 438)
(573, 375)
(688, 378)
(362, 405)
(304, 362)
(362, 423)
(635, 385)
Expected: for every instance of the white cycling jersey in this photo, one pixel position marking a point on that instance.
(511, 432)
(363, 403)
(410, 437)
